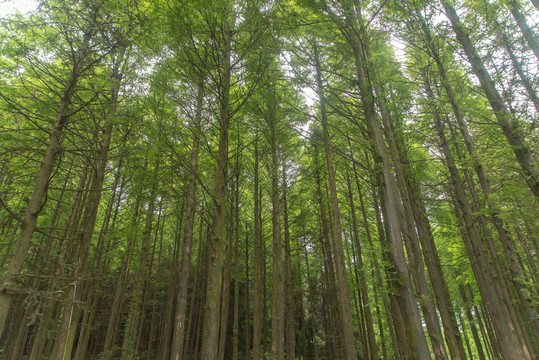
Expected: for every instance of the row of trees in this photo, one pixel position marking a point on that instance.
(268, 179)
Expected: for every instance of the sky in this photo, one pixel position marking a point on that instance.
(11, 6)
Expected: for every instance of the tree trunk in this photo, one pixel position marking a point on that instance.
(508, 332)
(343, 292)
(131, 333)
(88, 223)
(532, 94)
(210, 334)
(185, 264)
(377, 270)
(415, 345)
(471, 321)
(247, 305)
(236, 324)
(364, 294)
(332, 315)
(258, 264)
(289, 280)
(35, 203)
(507, 122)
(225, 291)
(277, 288)
(527, 32)
(121, 283)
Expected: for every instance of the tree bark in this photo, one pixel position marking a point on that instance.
(210, 334)
(506, 120)
(343, 291)
(88, 222)
(131, 332)
(364, 293)
(35, 203)
(277, 288)
(527, 32)
(258, 264)
(289, 279)
(507, 331)
(121, 283)
(185, 264)
(414, 344)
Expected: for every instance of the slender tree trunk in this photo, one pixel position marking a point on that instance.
(277, 289)
(333, 326)
(247, 305)
(527, 32)
(414, 344)
(122, 283)
(150, 351)
(364, 296)
(411, 238)
(343, 291)
(258, 264)
(210, 334)
(506, 120)
(300, 311)
(236, 324)
(289, 280)
(198, 283)
(131, 333)
(509, 334)
(35, 203)
(185, 264)
(225, 292)
(377, 270)
(167, 331)
(310, 298)
(88, 223)
(532, 94)
(473, 329)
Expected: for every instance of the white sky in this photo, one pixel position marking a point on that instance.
(8, 7)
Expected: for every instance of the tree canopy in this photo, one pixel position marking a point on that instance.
(285, 179)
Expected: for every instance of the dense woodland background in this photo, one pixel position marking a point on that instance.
(246, 179)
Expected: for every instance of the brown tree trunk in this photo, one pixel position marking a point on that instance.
(411, 238)
(210, 336)
(236, 324)
(289, 280)
(414, 344)
(167, 329)
(527, 32)
(471, 321)
(506, 120)
(225, 289)
(310, 300)
(35, 202)
(332, 315)
(532, 94)
(195, 310)
(121, 283)
(343, 292)
(132, 326)
(277, 293)
(258, 264)
(376, 270)
(247, 305)
(185, 264)
(362, 284)
(508, 332)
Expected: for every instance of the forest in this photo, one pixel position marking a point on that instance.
(270, 179)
